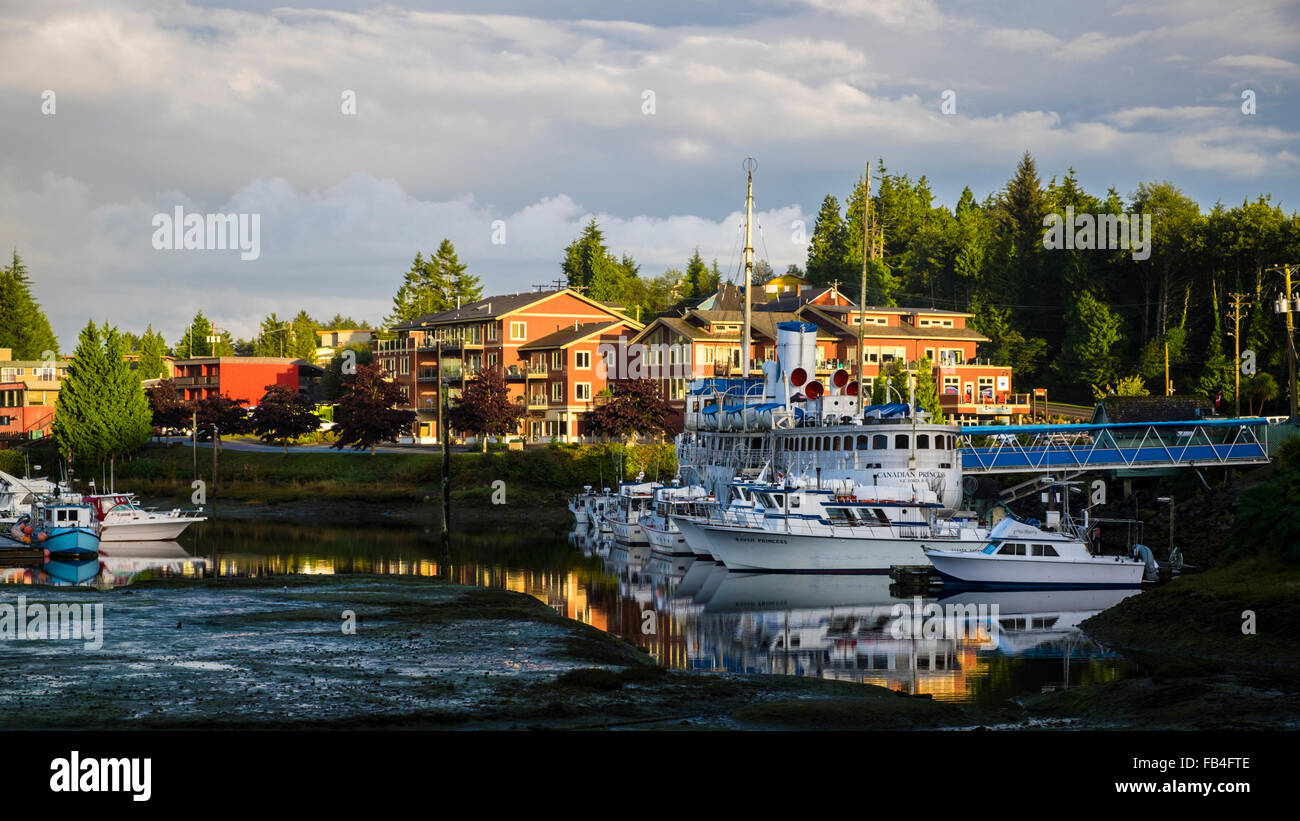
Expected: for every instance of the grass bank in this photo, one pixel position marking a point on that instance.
(249, 482)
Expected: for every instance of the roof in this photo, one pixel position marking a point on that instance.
(567, 336)
(346, 331)
(1151, 408)
(730, 297)
(900, 331)
(487, 308)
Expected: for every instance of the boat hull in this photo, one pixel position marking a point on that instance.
(628, 533)
(70, 541)
(983, 570)
(756, 550)
(145, 530)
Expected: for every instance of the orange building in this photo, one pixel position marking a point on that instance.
(544, 343)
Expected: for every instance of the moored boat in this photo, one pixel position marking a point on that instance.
(1020, 554)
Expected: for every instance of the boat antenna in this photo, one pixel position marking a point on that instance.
(868, 252)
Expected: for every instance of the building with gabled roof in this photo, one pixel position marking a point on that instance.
(556, 384)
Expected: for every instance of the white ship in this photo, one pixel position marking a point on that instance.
(634, 502)
(122, 520)
(658, 527)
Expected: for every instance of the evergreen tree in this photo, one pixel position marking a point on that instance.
(1092, 330)
(81, 426)
(24, 327)
(273, 337)
(125, 406)
(302, 337)
(462, 287)
(423, 291)
(1219, 373)
(927, 395)
(199, 340)
(827, 247)
(696, 279)
(152, 351)
(585, 257)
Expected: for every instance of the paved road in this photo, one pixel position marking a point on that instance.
(257, 447)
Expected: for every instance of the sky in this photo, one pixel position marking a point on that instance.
(361, 133)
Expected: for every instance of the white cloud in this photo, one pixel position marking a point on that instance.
(1257, 62)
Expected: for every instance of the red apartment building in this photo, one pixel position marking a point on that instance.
(28, 392)
(240, 377)
(544, 343)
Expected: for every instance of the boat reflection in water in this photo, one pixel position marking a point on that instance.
(988, 647)
(116, 565)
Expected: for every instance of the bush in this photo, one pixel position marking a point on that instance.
(12, 462)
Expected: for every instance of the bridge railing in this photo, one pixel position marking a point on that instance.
(1043, 448)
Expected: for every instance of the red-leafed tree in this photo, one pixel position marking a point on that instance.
(635, 407)
(283, 414)
(227, 414)
(485, 408)
(167, 407)
(366, 414)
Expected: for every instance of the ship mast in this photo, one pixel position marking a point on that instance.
(749, 165)
(868, 248)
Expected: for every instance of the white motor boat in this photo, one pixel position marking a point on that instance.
(122, 520)
(857, 529)
(1019, 554)
(588, 508)
(665, 538)
(634, 505)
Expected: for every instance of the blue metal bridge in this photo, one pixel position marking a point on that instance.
(1118, 445)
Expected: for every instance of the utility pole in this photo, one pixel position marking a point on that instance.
(1286, 305)
(1168, 390)
(870, 234)
(446, 461)
(1239, 301)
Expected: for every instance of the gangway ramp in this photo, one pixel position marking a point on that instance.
(1132, 445)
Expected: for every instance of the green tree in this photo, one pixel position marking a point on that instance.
(927, 395)
(302, 337)
(340, 369)
(201, 339)
(129, 421)
(366, 414)
(1092, 330)
(23, 325)
(1218, 373)
(695, 282)
(81, 426)
(462, 287)
(152, 350)
(827, 247)
(423, 291)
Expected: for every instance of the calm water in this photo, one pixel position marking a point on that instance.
(688, 615)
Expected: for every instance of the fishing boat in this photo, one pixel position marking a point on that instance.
(62, 528)
(121, 519)
(664, 536)
(844, 528)
(589, 507)
(634, 503)
(1020, 554)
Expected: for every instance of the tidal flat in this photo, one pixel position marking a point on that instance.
(281, 653)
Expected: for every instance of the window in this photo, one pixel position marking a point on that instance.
(582, 360)
(492, 332)
(879, 442)
(582, 391)
(518, 330)
(922, 441)
(557, 391)
(706, 356)
(406, 364)
(1044, 550)
(862, 442)
(492, 360)
(557, 360)
(900, 442)
(1012, 549)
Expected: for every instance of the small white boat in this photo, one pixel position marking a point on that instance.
(589, 508)
(634, 504)
(664, 536)
(1018, 554)
(122, 520)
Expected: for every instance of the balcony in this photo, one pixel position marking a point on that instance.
(514, 373)
(195, 381)
(392, 346)
(534, 371)
(537, 402)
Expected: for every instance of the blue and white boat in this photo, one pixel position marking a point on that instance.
(65, 528)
